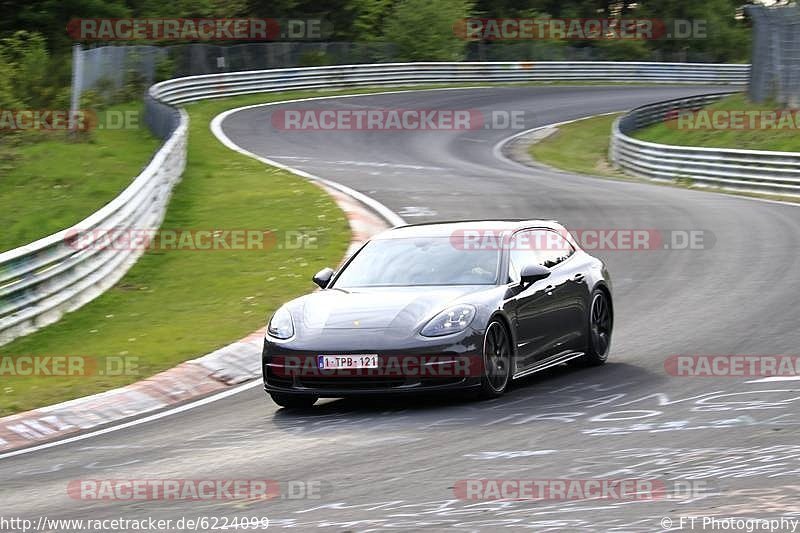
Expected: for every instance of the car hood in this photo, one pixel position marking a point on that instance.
(379, 308)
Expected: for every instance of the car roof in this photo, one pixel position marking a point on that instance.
(448, 228)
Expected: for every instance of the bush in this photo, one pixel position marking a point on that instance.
(8, 98)
(314, 58)
(133, 87)
(624, 50)
(35, 79)
(423, 30)
(165, 68)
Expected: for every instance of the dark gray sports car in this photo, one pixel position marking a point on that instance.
(442, 307)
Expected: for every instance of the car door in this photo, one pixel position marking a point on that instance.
(576, 299)
(542, 310)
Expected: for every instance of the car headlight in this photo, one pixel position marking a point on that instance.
(281, 325)
(451, 320)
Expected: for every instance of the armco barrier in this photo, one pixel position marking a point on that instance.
(41, 281)
(755, 171)
(192, 88)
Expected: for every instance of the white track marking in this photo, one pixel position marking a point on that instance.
(775, 378)
(180, 409)
(385, 212)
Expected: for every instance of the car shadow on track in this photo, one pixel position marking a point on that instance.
(534, 393)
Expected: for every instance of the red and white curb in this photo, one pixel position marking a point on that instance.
(217, 372)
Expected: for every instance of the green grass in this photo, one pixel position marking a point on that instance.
(177, 305)
(757, 139)
(51, 184)
(580, 147)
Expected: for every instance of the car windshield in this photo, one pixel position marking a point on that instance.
(419, 261)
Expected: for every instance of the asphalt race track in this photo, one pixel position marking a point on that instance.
(392, 464)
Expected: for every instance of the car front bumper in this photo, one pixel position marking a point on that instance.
(442, 365)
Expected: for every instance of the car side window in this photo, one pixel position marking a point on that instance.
(538, 246)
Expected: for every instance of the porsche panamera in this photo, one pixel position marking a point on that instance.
(442, 307)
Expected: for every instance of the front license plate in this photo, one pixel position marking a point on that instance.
(335, 362)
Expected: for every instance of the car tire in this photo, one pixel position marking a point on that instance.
(601, 322)
(293, 401)
(497, 357)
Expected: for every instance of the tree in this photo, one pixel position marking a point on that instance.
(424, 31)
(29, 72)
(50, 17)
(368, 18)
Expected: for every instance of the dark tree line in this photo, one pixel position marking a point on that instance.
(35, 46)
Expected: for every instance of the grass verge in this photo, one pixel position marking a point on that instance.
(54, 183)
(176, 305)
(781, 139)
(580, 147)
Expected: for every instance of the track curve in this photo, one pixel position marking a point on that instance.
(393, 464)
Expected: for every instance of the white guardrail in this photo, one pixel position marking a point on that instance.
(193, 88)
(755, 171)
(41, 281)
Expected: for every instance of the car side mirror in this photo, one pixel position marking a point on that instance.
(323, 277)
(533, 273)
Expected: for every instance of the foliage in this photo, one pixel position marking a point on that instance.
(369, 16)
(423, 30)
(314, 58)
(165, 68)
(31, 77)
(36, 52)
(8, 97)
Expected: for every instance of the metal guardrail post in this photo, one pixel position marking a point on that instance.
(77, 86)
